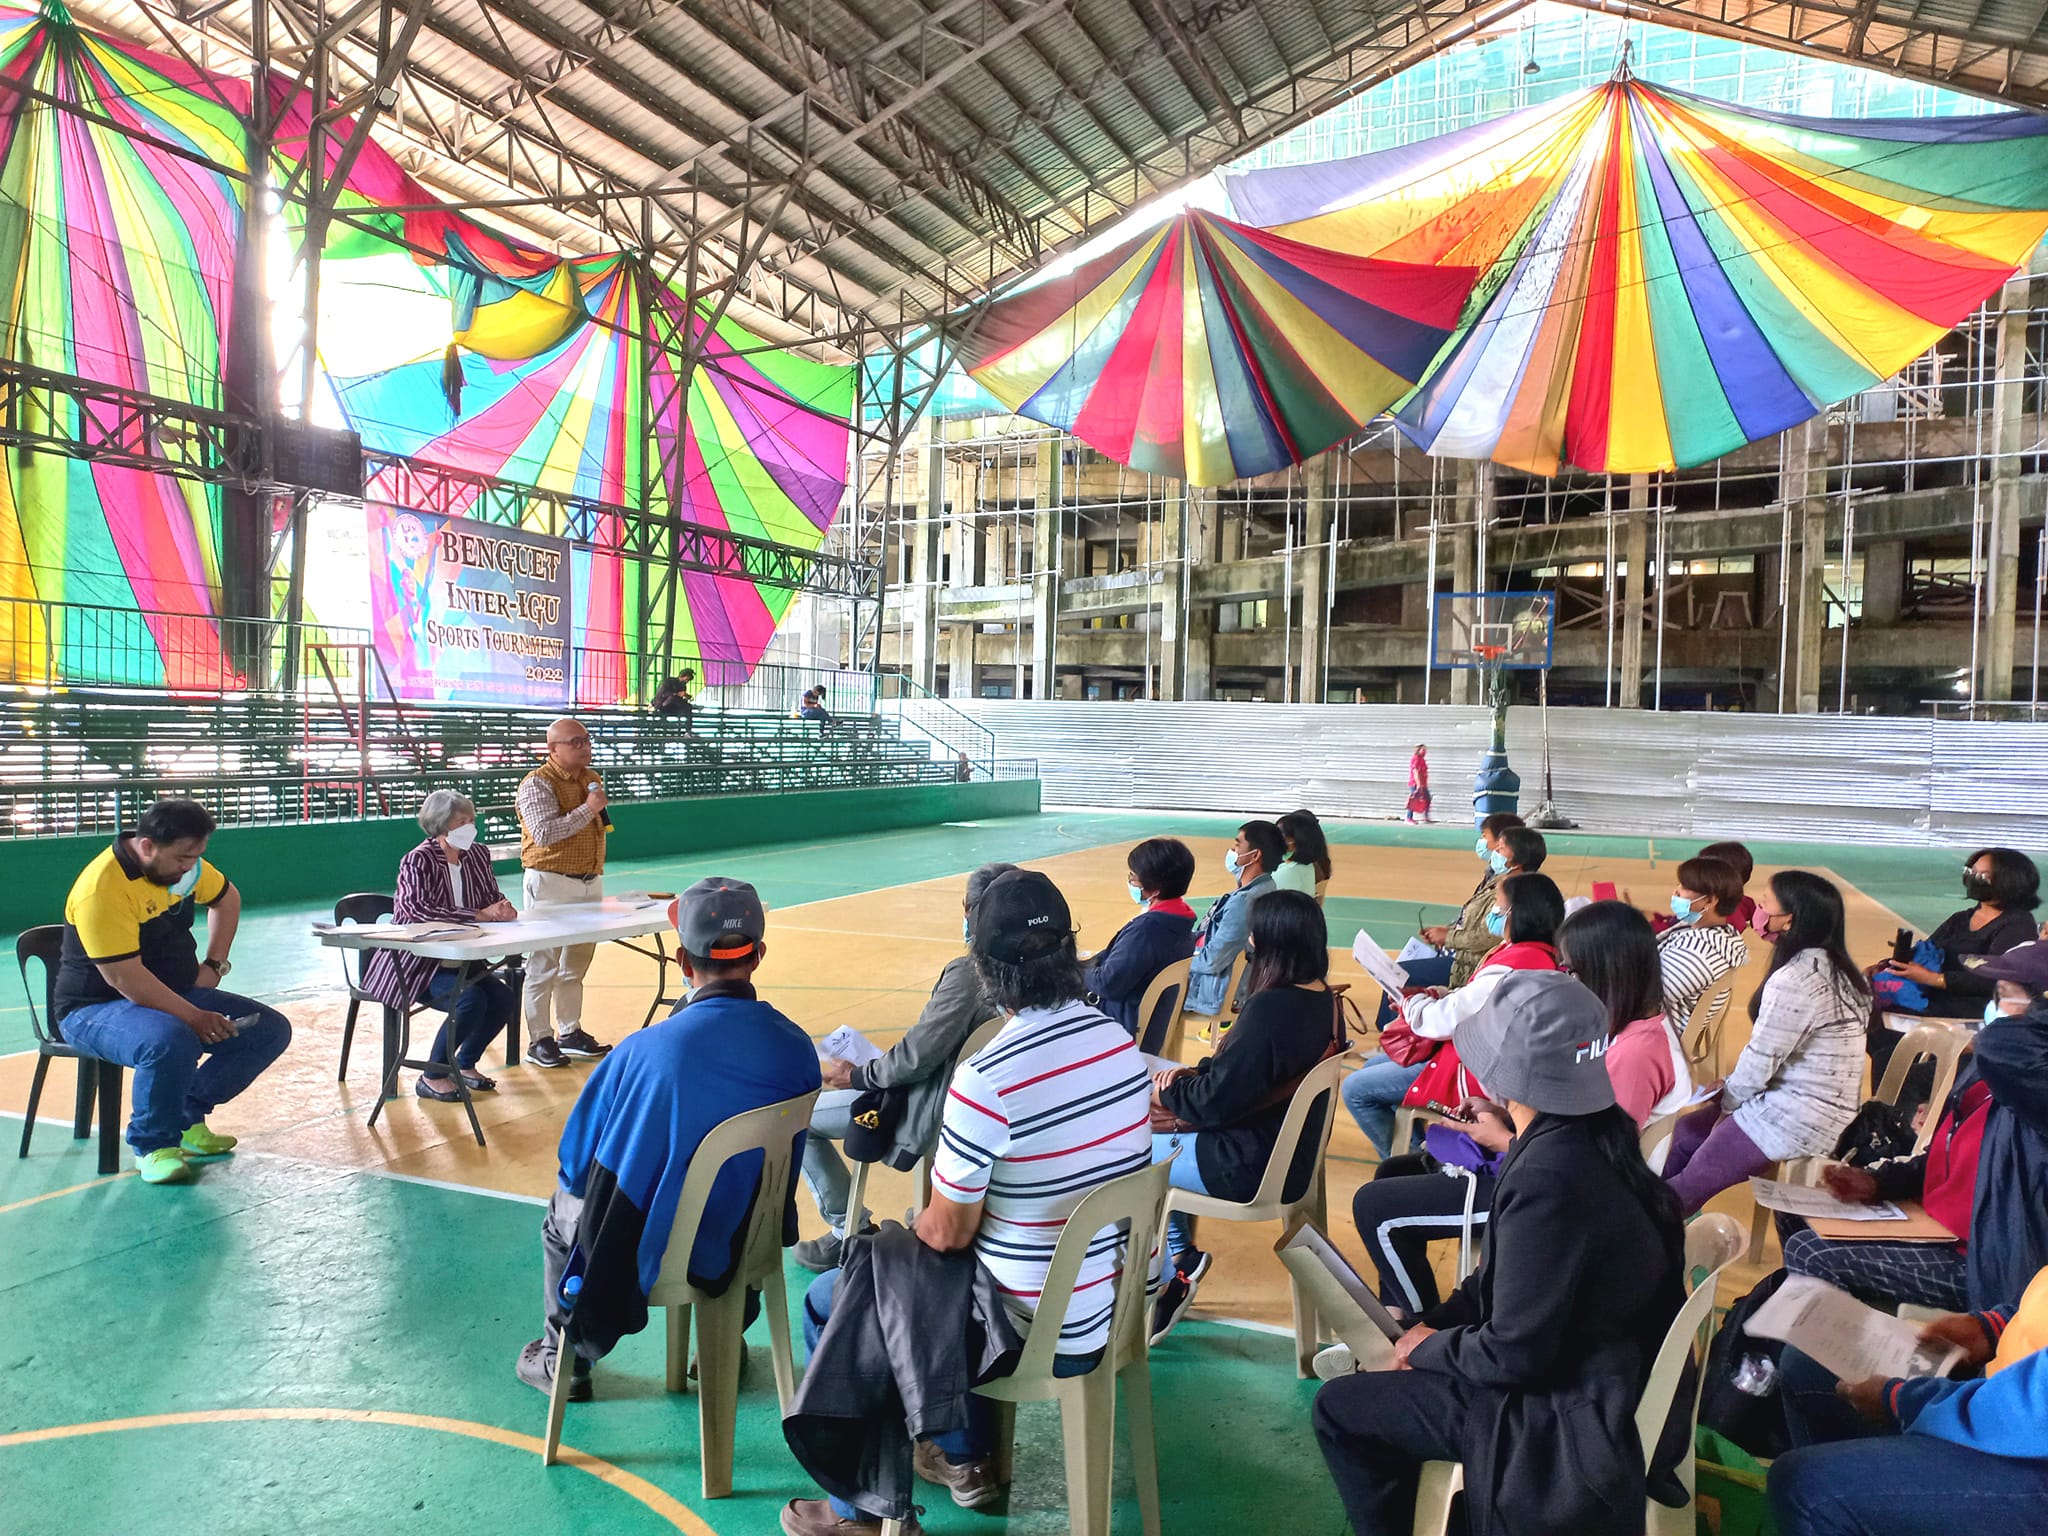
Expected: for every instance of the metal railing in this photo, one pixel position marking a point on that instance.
(81, 762)
(77, 645)
(917, 709)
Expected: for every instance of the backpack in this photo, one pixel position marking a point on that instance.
(1740, 1398)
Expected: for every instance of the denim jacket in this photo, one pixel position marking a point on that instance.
(1219, 939)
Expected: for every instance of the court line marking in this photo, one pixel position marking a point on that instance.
(655, 1499)
(55, 1194)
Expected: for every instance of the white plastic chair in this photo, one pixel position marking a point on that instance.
(1088, 1403)
(1712, 1243)
(1701, 1041)
(1655, 1139)
(1944, 1045)
(1175, 1034)
(1213, 1023)
(1268, 1203)
(771, 1131)
(856, 1195)
(1405, 1119)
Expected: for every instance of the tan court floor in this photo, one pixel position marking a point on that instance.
(866, 960)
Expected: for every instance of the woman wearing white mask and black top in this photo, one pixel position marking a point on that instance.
(1529, 1374)
(447, 879)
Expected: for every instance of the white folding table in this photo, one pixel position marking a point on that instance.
(614, 920)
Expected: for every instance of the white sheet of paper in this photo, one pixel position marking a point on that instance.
(1365, 949)
(1810, 1201)
(1846, 1337)
(415, 932)
(849, 1045)
(1704, 1092)
(1418, 948)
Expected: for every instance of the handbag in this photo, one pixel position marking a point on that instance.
(1403, 1046)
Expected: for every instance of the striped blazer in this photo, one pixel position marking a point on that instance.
(427, 895)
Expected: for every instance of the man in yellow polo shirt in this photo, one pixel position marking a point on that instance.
(132, 989)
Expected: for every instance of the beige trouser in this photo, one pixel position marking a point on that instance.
(554, 977)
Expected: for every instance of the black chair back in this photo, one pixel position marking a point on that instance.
(362, 907)
(47, 945)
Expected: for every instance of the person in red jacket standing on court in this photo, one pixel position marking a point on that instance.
(1418, 784)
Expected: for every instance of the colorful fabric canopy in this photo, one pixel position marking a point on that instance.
(117, 263)
(1209, 351)
(1668, 277)
(445, 341)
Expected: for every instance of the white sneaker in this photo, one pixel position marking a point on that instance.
(1333, 1361)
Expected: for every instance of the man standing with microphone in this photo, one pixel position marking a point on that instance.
(562, 830)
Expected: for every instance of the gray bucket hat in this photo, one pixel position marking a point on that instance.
(1540, 1040)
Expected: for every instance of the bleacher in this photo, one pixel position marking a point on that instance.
(84, 761)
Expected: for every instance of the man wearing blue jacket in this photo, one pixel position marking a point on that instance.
(1221, 935)
(627, 1146)
(1932, 1456)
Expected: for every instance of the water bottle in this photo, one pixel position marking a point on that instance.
(572, 1287)
(1756, 1375)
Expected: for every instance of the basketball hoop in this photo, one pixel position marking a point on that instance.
(1489, 653)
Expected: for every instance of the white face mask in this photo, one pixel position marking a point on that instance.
(1230, 861)
(965, 931)
(1137, 892)
(187, 882)
(460, 838)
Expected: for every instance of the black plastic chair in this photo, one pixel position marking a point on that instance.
(362, 907)
(97, 1079)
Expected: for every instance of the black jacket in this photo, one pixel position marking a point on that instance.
(1963, 992)
(911, 1330)
(2009, 1221)
(1131, 961)
(1558, 1328)
(1281, 1034)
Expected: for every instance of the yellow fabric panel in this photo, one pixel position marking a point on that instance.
(1021, 373)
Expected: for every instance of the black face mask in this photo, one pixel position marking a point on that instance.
(1976, 886)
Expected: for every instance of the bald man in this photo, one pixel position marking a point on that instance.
(562, 829)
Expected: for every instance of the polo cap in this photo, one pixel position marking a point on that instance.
(1541, 1040)
(2026, 964)
(1020, 915)
(719, 919)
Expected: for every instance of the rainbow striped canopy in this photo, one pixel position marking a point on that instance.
(1209, 351)
(1668, 277)
(117, 263)
(445, 341)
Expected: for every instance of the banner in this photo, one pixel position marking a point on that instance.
(463, 612)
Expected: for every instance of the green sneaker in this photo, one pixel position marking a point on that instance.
(166, 1165)
(199, 1142)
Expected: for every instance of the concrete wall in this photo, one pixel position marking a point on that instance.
(1849, 779)
(317, 862)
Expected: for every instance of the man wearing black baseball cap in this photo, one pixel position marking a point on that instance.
(627, 1147)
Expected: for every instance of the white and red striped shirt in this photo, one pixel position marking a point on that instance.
(1053, 1107)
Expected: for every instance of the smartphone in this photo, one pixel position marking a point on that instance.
(1603, 890)
(245, 1022)
(1902, 946)
(1438, 1107)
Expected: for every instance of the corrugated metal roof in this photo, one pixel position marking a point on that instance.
(907, 151)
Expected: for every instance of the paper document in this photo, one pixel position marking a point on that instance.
(1810, 1201)
(1418, 948)
(850, 1046)
(1161, 1063)
(1365, 949)
(1703, 1093)
(411, 933)
(1846, 1337)
(1344, 1301)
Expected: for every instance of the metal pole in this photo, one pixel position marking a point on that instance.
(1663, 582)
(1784, 584)
(1607, 682)
(1429, 592)
(1848, 553)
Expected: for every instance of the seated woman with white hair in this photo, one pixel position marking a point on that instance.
(447, 879)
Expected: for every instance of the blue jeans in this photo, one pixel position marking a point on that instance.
(977, 1439)
(481, 1014)
(173, 1089)
(1904, 1485)
(1373, 1093)
(1186, 1173)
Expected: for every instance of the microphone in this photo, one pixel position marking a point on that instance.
(605, 817)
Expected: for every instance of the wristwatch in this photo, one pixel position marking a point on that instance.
(220, 967)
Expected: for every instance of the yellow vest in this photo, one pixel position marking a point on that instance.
(582, 854)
